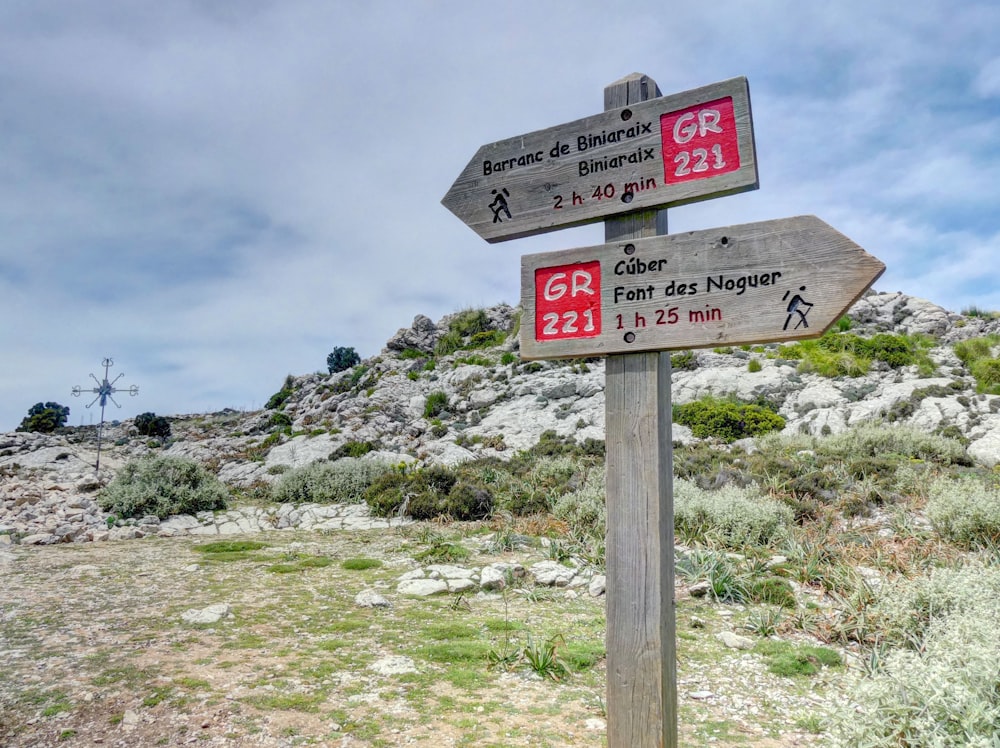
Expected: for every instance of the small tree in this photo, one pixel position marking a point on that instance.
(342, 358)
(45, 418)
(150, 424)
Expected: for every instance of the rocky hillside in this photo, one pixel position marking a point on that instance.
(455, 390)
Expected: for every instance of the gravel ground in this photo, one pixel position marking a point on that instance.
(94, 651)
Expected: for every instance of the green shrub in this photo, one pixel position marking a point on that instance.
(474, 360)
(464, 501)
(162, 486)
(894, 350)
(845, 354)
(550, 444)
(754, 365)
(730, 516)
(973, 349)
(344, 482)
(278, 398)
(150, 424)
(507, 358)
(987, 374)
(45, 418)
(353, 449)
(486, 339)
(386, 494)
(448, 343)
(435, 404)
(279, 420)
(683, 360)
(347, 384)
(470, 322)
(727, 420)
(342, 358)
(880, 440)
(436, 491)
(784, 658)
(965, 512)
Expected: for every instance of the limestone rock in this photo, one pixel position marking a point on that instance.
(370, 599)
(422, 587)
(210, 614)
(551, 574)
(735, 641)
(421, 336)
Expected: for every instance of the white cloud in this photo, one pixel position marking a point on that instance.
(987, 81)
(218, 195)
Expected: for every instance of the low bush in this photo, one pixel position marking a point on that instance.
(974, 349)
(430, 493)
(936, 683)
(584, 508)
(987, 374)
(344, 481)
(353, 448)
(150, 424)
(879, 440)
(846, 354)
(730, 517)
(727, 420)
(977, 355)
(683, 361)
(470, 322)
(435, 404)
(550, 444)
(486, 339)
(162, 486)
(965, 512)
(278, 398)
(464, 501)
(448, 343)
(280, 421)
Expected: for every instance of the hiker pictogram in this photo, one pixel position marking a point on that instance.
(798, 306)
(500, 204)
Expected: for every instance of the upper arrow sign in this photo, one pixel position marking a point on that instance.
(756, 283)
(666, 151)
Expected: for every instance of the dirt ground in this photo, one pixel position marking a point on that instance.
(94, 651)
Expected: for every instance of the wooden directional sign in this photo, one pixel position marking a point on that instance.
(656, 153)
(771, 281)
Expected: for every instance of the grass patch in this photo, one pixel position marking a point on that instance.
(300, 564)
(360, 564)
(790, 660)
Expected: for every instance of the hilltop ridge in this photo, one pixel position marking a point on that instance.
(450, 391)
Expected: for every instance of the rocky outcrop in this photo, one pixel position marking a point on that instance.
(412, 405)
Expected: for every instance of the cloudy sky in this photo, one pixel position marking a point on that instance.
(216, 194)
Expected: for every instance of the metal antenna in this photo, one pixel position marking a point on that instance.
(104, 390)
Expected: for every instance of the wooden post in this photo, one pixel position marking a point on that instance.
(641, 656)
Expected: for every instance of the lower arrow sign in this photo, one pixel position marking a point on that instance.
(771, 281)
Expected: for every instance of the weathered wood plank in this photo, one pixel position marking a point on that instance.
(770, 281)
(668, 150)
(641, 673)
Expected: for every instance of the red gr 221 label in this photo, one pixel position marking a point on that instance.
(568, 301)
(699, 142)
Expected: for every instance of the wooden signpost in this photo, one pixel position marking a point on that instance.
(639, 295)
(639, 154)
(760, 282)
